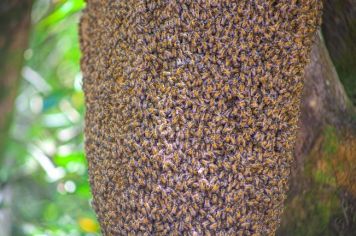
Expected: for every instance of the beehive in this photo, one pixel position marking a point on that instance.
(192, 109)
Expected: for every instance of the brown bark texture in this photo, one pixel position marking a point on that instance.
(192, 110)
(339, 30)
(321, 199)
(15, 24)
(322, 196)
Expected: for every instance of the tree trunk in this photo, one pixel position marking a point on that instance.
(192, 109)
(339, 30)
(322, 196)
(14, 31)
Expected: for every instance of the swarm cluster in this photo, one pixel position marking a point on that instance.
(192, 109)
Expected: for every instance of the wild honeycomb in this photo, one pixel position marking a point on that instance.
(192, 110)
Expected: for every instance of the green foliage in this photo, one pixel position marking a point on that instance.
(44, 162)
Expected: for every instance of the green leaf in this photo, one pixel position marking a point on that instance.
(64, 10)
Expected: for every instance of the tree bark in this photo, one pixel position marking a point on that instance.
(322, 192)
(14, 32)
(324, 100)
(339, 30)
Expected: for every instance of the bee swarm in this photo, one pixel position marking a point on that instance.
(192, 111)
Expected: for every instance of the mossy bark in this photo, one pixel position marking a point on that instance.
(322, 196)
(322, 200)
(14, 31)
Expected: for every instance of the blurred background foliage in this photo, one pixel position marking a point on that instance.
(44, 160)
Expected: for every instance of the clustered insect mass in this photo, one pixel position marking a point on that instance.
(192, 110)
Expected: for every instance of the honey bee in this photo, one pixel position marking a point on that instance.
(215, 188)
(179, 71)
(213, 226)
